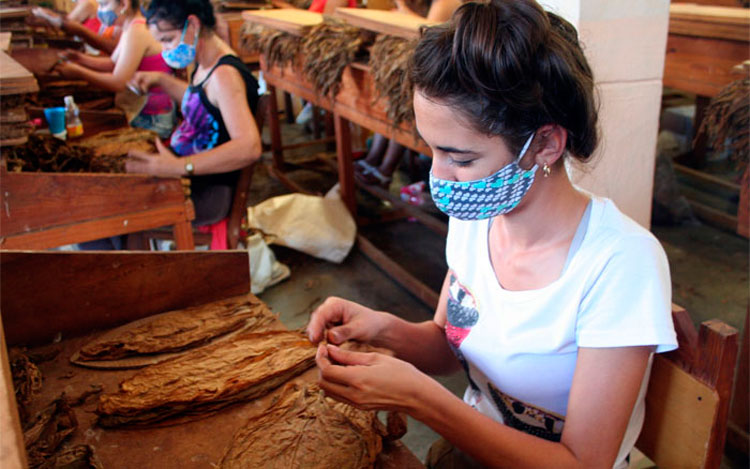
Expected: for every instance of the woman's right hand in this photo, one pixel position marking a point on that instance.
(338, 320)
(70, 55)
(144, 81)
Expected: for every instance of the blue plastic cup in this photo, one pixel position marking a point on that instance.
(56, 118)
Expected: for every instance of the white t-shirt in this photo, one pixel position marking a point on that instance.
(520, 347)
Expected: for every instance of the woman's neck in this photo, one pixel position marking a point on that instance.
(547, 214)
(129, 17)
(210, 49)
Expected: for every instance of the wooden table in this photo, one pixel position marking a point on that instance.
(47, 210)
(355, 103)
(704, 45)
(85, 292)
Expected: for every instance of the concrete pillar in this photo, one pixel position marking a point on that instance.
(625, 43)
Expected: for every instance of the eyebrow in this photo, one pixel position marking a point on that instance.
(448, 149)
(456, 150)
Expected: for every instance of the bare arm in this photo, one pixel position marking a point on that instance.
(243, 148)
(104, 44)
(440, 10)
(83, 10)
(133, 48)
(99, 64)
(606, 382)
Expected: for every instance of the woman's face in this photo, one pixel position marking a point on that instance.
(459, 152)
(169, 34)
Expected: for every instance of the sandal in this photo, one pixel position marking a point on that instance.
(370, 175)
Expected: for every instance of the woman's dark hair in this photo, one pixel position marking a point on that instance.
(510, 67)
(176, 12)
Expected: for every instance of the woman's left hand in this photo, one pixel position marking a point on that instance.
(371, 381)
(163, 163)
(67, 69)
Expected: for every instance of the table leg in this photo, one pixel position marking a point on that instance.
(183, 236)
(288, 108)
(346, 168)
(275, 129)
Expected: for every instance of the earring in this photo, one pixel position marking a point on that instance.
(546, 170)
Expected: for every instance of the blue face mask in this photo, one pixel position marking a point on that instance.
(107, 17)
(182, 55)
(494, 195)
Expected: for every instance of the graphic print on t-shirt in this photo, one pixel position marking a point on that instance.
(199, 131)
(527, 418)
(462, 314)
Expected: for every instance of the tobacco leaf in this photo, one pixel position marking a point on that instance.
(389, 63)
(44, 433)
(48, 154)
(74, 457)
(27, 380)
(327, 49)
(305, 429)
(279, 48)
(207, 379)
(726, 122)
(179, 329)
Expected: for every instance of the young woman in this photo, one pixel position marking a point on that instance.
(554, 300)
(83, 21)
(218, 135)
(137, 50)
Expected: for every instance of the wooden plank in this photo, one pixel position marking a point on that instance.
(713, 216)
(14, 12)
(739, 418)
(176, 215)
(680, 412)
(33, 201)
(345, 163)
(701, 65)
(12, 450)
(14, 78)
(290, 20)
(717, 357)
(77, 292)
(710, 21)
(358, 102)
(384, 22)
(5, 41)
(705, 177)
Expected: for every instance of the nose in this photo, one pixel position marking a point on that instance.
(441, 169)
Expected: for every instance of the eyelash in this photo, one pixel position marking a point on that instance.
(462, 164)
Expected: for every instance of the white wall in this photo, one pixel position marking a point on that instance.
(625, 43)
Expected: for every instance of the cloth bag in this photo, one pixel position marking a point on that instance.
(265, 270)
(319, 226)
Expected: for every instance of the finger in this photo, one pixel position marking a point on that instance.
(330, 311)
(350, 358)
(337, 391)
(137, 155)
(340, 334)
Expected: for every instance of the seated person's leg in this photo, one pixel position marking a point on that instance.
(212, 203)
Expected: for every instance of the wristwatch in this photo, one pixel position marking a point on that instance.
(189, 168)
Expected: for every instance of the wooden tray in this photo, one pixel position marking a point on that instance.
(14, 78)
(384, 22)
(290, 20)
(710, 21)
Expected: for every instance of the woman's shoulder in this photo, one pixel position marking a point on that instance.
(611, 231)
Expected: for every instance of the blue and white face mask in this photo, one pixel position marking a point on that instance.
(497, 194)
(182, 55)
(107, 17)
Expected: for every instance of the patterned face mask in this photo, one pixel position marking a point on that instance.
(182, 55)
(107, 17)
(497, 194)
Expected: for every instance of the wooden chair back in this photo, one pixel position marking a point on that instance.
(688, 397)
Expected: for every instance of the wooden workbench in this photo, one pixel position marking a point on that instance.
(704, 45)
(47, 210)
(356, 102)
(85, 292)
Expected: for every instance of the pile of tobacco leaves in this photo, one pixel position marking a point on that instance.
(48, 154)
(279, 48)
(327, 49)
(389, 63)
(727, 122)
